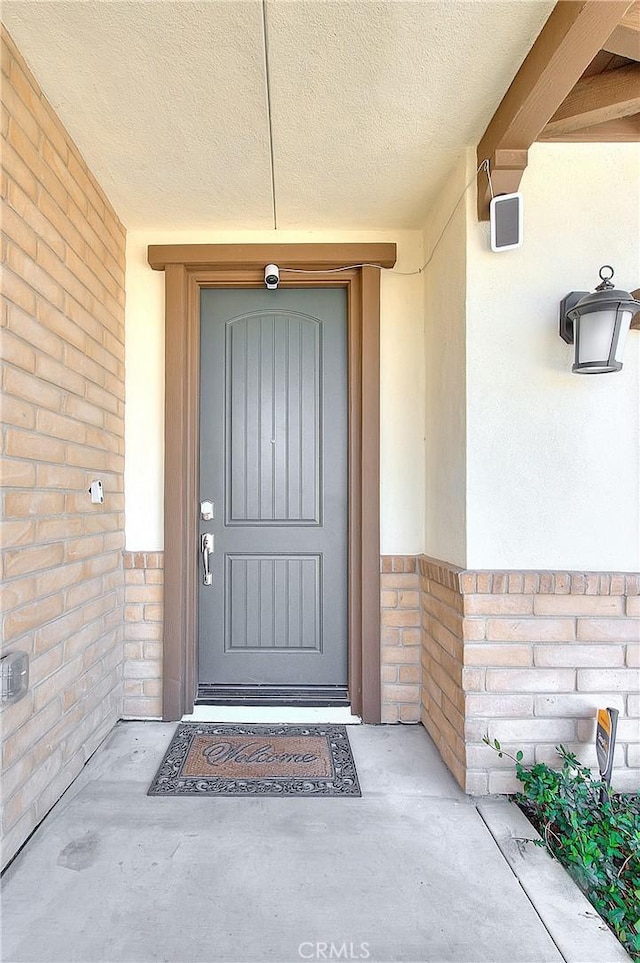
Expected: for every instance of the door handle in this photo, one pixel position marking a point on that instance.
(206, 548)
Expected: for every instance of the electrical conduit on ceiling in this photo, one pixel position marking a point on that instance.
(265, 40)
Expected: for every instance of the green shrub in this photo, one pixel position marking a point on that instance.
(594, 833)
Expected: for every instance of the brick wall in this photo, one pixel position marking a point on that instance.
(400, 643)
(443, 703)
(543, 652)
(63, 409)
(528, 658)
(143, 634)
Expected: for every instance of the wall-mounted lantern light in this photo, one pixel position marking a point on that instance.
(597, 324)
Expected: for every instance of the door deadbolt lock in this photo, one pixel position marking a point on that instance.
(206, 549)
(207, 511)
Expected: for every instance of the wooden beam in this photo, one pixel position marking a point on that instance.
(604, 61)
(596, 100)
(625, 39)
(635, 320)
(622, 130)
(568, 42)
(316, 256)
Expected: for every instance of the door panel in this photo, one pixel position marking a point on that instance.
(273, 456)
(273, 380)
(273, 602)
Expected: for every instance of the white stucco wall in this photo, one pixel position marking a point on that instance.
(553, 458)
(402, 384)
(445, 386)
(525, 465)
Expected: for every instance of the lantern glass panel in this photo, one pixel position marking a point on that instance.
(595, 336)
(625, 322)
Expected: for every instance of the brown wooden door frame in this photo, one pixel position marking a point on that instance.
(188, 268)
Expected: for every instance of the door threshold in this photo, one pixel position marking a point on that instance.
(295, 715)
(273, 695)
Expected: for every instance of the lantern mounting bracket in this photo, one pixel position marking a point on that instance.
(566, 324)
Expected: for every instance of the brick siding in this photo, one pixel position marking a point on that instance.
(443, 682)
(528, 658)
(143, 634)
(63, 258)
(542, 652)
(400, 639)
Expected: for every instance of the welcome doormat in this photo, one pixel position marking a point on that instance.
(210, 759)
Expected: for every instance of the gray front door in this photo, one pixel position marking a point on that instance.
(273, 457)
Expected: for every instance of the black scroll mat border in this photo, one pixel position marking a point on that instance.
(169, 780)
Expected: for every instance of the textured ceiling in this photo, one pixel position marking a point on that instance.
(371, 101)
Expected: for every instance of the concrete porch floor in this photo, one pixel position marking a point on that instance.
(409, 872)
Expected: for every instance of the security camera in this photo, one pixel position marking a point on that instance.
(272, 276)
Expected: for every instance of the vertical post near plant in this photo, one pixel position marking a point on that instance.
(606, 745)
